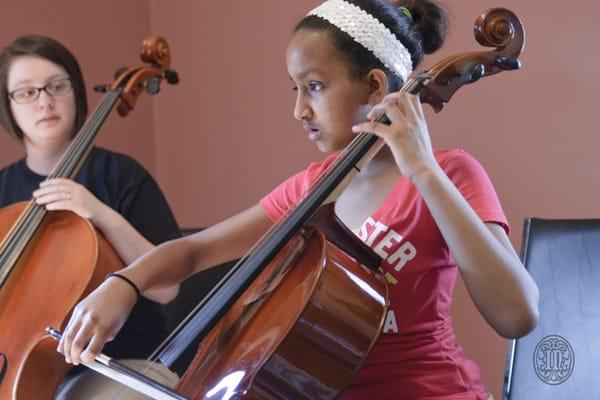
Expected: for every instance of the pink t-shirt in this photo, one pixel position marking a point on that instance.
(416, 356)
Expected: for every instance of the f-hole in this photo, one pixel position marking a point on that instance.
(3, 367)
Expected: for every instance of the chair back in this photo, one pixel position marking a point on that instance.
(558, 359)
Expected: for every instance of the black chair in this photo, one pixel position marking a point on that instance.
(558, 359)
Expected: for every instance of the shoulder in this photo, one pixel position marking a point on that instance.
(471, 179)
(17, 182)
(115, 166)
(449, 157)
(458, 164)
(316, 169)
(11, 169)
(302, 180)
(289, 191)
(100, 155)
(18, 173)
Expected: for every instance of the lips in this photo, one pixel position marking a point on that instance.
(313, 132)
(49, 118)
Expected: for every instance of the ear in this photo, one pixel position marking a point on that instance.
(378, 85)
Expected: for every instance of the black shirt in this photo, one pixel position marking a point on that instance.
(124, 185)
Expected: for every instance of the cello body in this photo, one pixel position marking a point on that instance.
(66, 260)
(301, 331)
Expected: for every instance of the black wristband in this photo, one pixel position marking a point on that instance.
(126, 279)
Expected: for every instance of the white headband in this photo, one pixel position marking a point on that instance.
(369, 32)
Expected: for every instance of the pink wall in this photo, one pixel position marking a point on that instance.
(226, 134)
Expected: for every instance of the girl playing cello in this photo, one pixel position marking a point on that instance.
(427, 213)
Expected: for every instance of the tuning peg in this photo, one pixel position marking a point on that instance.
(171, 76)
(476, 72)
(153, 85)
(507, 64)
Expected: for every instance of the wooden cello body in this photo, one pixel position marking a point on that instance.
(49, 261)
(300, 331)
(66, 260)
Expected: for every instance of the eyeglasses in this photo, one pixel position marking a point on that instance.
(55, 88)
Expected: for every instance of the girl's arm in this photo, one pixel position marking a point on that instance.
(98, 318)
(499, 285)
(501, 288)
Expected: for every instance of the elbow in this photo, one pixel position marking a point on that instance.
(520, 322)
(520, 327)
(163, 295)
(524, 316)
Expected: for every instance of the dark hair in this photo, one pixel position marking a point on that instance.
(51, 50)
(422, 35)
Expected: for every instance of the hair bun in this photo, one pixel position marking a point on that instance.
(429, 22)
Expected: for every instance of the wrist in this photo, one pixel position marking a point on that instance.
(128, 281)
(100, 215)
(423, 173)
(108, 221)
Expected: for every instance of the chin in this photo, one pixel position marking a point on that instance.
(54, 135)
(325, 147)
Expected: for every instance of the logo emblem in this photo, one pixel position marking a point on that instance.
(553, 360)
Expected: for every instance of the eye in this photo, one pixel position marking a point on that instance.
(315, 86)
(24, 93)
(59, 87)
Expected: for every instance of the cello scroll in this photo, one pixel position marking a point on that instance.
(497, 27)
(132, 81)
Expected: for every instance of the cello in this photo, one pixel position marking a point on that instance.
(59, 253)
(298, 315)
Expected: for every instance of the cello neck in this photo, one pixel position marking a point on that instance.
(71, 161)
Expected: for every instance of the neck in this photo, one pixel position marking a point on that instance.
(43, 160)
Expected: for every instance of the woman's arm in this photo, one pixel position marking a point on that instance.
(65, 194)
(98, 318)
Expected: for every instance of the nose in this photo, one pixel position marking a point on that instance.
(45, 100)
(302, 110)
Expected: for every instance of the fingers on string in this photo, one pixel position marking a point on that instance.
(378, 128)
(61, 205)
(418, 106)
(56, 181)
(392, 106)
(408, 104)
(53, 197)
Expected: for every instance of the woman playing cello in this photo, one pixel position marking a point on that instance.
(43, 105)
